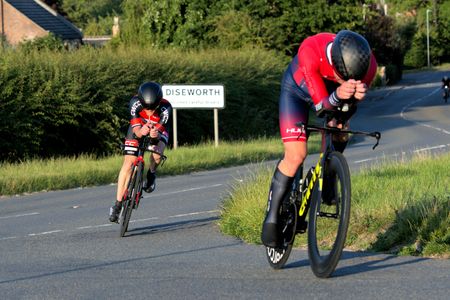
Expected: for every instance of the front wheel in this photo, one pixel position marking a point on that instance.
(329, 217)
(129, 199)
(277, 257)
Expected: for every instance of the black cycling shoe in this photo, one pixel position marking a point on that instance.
(114, 212)
(279, 188)
(149, 184)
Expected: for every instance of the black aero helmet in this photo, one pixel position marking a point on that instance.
(350, 55)
(150, 94)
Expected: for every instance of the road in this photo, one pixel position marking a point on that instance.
(59, 245)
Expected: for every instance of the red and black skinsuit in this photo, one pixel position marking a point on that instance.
(138, 117)
(310, 81)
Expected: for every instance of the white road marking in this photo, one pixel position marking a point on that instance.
(143, 220)
(94, 226)
(8, 238)
(111, 224)
(403, 115)
(21, 215)
(191, 189)
(402, 153)
(365, 160)
(403, 112)
(44, 233)
(379, 157)
(431, 148)
(194, 213)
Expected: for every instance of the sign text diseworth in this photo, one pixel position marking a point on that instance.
(194, 96)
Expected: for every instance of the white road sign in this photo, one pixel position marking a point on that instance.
(194, 96)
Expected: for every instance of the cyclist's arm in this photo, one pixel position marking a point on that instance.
(135, 122)
(163, 125)
(310, 66)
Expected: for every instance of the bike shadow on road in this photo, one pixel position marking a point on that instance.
(173, 226)
(352, 263)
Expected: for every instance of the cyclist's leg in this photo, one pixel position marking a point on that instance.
(292, 109)
(124, 176)
(155, 160)
(122, 182)
(130, 152)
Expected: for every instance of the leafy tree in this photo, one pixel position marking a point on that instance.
(48, 42)
(81, 12)
(95, 17)
(180, 23)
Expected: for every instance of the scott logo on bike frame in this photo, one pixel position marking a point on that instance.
(307, 194)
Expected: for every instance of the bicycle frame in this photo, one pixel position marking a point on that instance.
(143, 147)
(317, 173)
(307, 191)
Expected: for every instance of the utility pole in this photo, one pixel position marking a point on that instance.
(2, 37)
(428, 38)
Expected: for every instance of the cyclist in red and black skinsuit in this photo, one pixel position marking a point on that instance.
(328, 71)
(149, 115)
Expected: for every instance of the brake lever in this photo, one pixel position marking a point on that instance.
(376, 135)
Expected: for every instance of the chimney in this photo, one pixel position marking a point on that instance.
(116, 28)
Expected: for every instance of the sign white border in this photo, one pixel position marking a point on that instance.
(195, 96)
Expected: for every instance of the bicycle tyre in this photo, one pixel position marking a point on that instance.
(323, 264)
(130, 198)
(277, 257)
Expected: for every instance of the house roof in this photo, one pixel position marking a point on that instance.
(47, 18)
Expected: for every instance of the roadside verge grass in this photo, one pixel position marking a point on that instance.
(63, 173)
(401, 208)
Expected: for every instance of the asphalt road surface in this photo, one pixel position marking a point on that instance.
(59, 245)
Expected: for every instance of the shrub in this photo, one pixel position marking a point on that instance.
(66, 103)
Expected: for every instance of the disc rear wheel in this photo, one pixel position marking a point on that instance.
(277, 257)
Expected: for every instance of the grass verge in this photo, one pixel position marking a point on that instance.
(401, 208)
(63, 173)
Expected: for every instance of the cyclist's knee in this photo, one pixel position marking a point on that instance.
(128, 161)
(292, 160)
(156, 158)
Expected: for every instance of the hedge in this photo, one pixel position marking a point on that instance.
(56, 103)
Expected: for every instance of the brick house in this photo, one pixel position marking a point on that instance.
(23, 20)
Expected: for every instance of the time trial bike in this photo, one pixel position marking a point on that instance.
(133, 193)
(325, 192)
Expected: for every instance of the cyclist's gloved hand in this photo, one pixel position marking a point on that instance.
(361, 90)
(145, 129)
(347, 89)
(154, 135)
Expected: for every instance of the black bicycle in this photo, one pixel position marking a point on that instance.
(133, 193)
(326, 192)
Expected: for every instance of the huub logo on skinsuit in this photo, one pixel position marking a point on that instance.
(297, 130)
